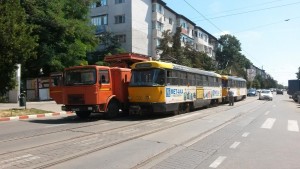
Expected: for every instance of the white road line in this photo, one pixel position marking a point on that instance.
(153, 124)
(246, 134)
(181, 118)
(267, 112)
(128, 131)
(268, 124)
(217, 162)
(235, 145)
(17, 160)
(55, 125)
(293, 126)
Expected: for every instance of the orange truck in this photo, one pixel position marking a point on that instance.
(95, 89)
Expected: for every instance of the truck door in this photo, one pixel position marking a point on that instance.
(105, 87)
(56, 87)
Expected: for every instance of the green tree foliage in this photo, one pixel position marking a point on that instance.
(171, 50)
(176, 47)
(165, 46)
(64, 31)
(17, 43)
(110, 45)
(229, 57)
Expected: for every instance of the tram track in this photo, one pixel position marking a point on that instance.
(96, 141)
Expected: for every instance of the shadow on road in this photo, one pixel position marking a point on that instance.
(98, 117)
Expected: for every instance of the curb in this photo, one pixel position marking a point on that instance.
(35, 116)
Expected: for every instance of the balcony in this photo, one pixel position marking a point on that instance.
(101, 29)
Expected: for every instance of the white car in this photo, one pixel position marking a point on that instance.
(266, 95)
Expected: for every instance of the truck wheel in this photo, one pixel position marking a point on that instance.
(83, 114)
(112, 110)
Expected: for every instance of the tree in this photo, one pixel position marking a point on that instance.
(64, 31)
(229, 57)
(165, 46)
(17, 43)
(110, 45)
(229, 50)
(176, 47)
(298, 73)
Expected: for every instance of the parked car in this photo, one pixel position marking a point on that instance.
(258, 90)
(265, 95)
(295, 96)
(251, 92)
(279, 91)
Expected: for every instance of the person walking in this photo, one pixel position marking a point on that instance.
(230, 97)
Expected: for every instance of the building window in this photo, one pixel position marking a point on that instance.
(119, 19)
(99, 20)
(99, 3)
(157, 8)
(159, 26)
(205, 38)
(119, 1)
(121, 38)
(170, 21)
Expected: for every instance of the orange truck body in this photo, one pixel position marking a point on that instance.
(105, 96)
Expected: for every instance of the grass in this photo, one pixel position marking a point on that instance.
(21, 112)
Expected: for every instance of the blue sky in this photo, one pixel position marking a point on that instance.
(268, 30)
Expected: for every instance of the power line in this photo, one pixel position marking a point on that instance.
(251, 11)
(265, 25)
(203, 16)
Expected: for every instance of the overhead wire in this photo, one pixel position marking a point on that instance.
(210, 22)
(251, 11)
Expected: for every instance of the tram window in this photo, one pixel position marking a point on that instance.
(160, 77)
(205, 80)
(210, 81)
(182, 77)
(172, 77)
(191, 79)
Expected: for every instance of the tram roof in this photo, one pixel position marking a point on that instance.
(167, 65)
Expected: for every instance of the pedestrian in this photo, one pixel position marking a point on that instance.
(230, 97)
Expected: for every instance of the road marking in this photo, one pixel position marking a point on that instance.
(293, 126)
(181, 118)
(17, 160)
(217, 162)
(55, 125)
(246, 134)
(128, 131)
(235, 145)
(267, 112)
(268, 124)
(153, 124)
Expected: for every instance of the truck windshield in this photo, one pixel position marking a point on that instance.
(80, 77)
(148, 77)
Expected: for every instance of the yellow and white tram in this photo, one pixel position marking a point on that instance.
(236, 84)
(161, 87)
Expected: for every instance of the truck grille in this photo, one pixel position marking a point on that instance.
(76, 99)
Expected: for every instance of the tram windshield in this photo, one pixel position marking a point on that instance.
(148, 77)
(80, 77)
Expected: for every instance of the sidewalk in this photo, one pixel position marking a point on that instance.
(42, 105)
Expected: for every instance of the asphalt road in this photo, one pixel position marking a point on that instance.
(251, 134)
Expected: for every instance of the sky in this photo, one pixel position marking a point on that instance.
(268, 30)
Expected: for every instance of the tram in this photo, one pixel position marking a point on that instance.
(162, 87)
(236, 84)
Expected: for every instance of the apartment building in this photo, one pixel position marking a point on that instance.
(139, 24)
